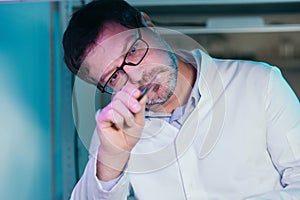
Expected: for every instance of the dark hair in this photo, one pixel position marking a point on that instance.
(86, 24)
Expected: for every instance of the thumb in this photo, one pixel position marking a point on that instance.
(140, 116)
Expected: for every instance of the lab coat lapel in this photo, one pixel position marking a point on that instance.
(202, 128)
(204, 125)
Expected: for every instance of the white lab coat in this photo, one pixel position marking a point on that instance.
(242, 141)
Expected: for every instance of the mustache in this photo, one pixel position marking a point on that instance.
(147, 76)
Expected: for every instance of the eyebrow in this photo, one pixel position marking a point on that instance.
(125, 49)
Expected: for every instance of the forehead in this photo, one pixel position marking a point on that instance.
(110, 45)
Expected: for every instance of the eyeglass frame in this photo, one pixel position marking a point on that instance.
(121, 67)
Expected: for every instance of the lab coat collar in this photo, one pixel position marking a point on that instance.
(201, 131)
(208, 116)
(212, 93)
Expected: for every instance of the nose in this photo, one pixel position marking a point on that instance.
(135, 74)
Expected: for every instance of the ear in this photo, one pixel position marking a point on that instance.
(146, 20)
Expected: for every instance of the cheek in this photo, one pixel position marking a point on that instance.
(95, 75)
(160, 57)
(92, 69)
(135, 72)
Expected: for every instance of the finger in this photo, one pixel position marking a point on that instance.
(132, 90)
(109, 127)
(124, 112)
(109, 118)
(129, 100)
(102, 118)
(140, 116)
(116, 119)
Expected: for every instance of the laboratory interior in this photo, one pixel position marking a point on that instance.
(47, 114)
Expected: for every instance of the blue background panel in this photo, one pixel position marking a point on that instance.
(25, 141)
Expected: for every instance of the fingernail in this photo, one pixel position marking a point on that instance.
(136, 93)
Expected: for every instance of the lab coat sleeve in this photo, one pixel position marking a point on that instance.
(90, 188)
(283, 136)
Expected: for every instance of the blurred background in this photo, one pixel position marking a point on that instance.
(42, 156)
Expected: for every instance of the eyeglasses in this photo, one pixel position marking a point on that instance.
(133, 57)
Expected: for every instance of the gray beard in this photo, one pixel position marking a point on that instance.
(170, 83)
(167, 92)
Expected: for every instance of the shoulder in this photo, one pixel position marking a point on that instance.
(243, 66)
(244, 70)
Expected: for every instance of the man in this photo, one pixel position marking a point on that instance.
(206, 129)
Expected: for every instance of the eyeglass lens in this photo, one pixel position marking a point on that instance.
(133, 57)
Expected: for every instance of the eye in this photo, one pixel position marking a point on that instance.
(114, 79)
(135, 52)
(133, 49)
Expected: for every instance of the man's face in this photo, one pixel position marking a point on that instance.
(108, 54)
